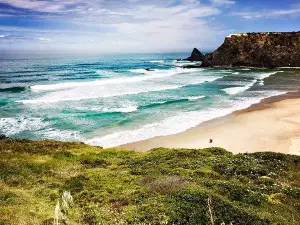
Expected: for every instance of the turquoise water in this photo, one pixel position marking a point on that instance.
(112, 100)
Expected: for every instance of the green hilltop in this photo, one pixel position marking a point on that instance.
(162, 186)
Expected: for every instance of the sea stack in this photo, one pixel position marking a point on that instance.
(262, 50)
(195, 56)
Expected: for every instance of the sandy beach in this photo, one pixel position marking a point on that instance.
(271, 125)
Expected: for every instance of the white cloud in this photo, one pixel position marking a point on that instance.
(43, 6)
(135, 25)
(223, 2)
(269, 13)
(45, 39)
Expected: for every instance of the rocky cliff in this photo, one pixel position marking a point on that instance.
(277, 49)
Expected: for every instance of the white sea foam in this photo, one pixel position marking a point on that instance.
(262, 76)
(172, 125)
(149, 75)
(236, 73)
(163, 73)
(236, 90)
(196, 97)
(183, 63)
(157, 61)
(60, 135)
(115, 87)
(92, 93)
(107, 73)
(124, 109)
(175, 124)
(14, 125)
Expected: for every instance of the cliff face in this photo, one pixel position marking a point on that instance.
(281, 49)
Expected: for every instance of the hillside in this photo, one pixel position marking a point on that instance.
(272, 49)
(163, 186)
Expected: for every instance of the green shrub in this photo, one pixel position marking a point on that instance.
(75, 184)
(265, 180)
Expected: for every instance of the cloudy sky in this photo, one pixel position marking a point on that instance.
(137, 25)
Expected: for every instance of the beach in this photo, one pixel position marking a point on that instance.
(272, 125)
(112, 101)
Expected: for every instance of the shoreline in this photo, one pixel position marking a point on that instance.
(273, 124)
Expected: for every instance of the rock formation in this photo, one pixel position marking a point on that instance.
(149, 69)
(196, 56)
(276, 49)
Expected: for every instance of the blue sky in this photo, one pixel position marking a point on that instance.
(137, 25)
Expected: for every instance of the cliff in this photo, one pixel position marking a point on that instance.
(277, 49)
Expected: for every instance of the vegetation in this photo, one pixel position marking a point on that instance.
(49, 182)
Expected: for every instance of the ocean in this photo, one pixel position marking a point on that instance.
(111, 100)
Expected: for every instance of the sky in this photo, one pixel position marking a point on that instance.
(133, 26)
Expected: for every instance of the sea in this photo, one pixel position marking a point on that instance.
(110, 100)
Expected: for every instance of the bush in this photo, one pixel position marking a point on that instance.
(75, 184)
(190, 206)
(93, 163)
(265, 180)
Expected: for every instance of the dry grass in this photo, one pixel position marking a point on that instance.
(166, 184)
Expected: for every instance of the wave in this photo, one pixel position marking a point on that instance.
(175, 124)
(16, 89)
(14, 125)
(157, 61)
(263, 76)
(60, 135)
(155, 104)
(119, 88)
(87, 64)
(149, 75)
(193, 98)
(169, 102)
(20, 81)
(107, 73)
(65, 96)
(172, 125)
(236, 90)
(173, 71)
(127, 109)
(11, 126)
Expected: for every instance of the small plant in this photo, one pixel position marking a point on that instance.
(209, 204)
(62, 210)
(57, 213)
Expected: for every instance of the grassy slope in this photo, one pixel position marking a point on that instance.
(164, 186)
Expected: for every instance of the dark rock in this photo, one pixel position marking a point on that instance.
(191, 66)
(263, 50)
(196, 56)
(148, 69)
(2, 136)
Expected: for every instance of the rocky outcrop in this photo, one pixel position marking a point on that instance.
(149, 69)
(276, 49)
(191, 66)
(195, 56)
